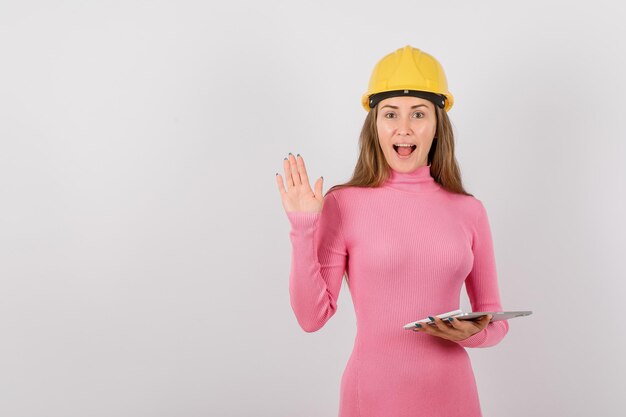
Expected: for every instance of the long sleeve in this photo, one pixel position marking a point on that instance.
(318, 263)
(482, 285)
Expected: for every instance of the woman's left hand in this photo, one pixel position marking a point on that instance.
(456, 329)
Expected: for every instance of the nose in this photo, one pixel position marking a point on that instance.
(404, 126)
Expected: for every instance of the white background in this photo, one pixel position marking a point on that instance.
(144, 250)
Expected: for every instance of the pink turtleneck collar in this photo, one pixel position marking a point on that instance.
(416, 181)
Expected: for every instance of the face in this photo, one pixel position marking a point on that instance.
(406, 120)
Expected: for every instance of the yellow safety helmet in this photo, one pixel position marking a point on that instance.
(408, 72)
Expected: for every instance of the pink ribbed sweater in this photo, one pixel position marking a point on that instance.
(407, 247)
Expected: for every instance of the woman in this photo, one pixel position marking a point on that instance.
(407, 236)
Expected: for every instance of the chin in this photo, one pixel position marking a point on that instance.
(404, 165)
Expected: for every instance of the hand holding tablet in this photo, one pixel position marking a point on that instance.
(460, 315)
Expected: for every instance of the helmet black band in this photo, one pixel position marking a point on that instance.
(438, 100)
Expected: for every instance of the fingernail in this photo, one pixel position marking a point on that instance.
(277, 174)
(285, 158)
(290, 153)
(418, 325)
(431, 319)
(298, 155)
(451, 319)
(322, 177)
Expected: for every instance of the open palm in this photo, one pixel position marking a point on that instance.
(298, 196)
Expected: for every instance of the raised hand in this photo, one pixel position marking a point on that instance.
(299, 196)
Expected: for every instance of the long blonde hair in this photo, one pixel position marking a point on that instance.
(372, 169)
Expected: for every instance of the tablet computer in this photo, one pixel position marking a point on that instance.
(497, 315)
(473, 315)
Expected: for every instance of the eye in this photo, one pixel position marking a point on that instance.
(421, 115)
(389, 114)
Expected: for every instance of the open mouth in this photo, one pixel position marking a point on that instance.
(404, 150)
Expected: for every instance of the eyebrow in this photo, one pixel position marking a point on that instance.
(396, 107)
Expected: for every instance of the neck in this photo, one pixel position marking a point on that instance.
(416, 181)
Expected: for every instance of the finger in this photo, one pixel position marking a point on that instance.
(430, 328)
(440, 324)
(459, 327)
(454, 323)
(281, 185)
(464, 326)
(318, 187)
(422, 327)
(288, 177)
(295, 175)
(302, 170)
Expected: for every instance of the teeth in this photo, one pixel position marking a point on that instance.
(408, 145)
